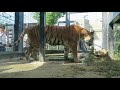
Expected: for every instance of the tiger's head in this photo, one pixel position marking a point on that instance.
(86, 35)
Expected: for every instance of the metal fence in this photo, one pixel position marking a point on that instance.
(7, 19)
(7, 36)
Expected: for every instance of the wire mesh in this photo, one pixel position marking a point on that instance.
(8, 20)
(30, 20)
(7, 34)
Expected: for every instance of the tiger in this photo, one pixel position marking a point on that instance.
(68, 36)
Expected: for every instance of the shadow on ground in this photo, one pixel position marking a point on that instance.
(49, 69)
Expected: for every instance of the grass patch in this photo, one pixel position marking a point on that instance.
(107, 68)
(77, 68)
(116, 56)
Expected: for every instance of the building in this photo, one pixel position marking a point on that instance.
(111, 31)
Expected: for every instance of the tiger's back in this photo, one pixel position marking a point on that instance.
(60, 35)
(55, 35)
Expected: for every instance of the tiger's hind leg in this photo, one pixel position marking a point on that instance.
(35, 54)
(28, 54)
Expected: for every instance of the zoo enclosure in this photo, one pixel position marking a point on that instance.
(14, 23)
(8, 20)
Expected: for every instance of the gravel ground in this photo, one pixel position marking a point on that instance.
(50, 69)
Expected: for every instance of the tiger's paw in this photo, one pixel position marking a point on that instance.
(76, 61)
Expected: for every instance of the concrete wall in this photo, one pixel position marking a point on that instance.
(104, 30)
(108, 35)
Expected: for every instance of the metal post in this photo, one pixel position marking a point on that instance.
(67, 25)
(58, 45)
(42, 36)
(18, 28)
(67, 18)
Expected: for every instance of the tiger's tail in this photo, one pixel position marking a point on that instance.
(20, 37)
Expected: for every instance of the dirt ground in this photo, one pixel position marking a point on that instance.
(50, 69)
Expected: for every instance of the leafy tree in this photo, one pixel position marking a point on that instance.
(51, 17)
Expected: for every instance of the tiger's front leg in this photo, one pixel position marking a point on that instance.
(66, 52)
(74, 51)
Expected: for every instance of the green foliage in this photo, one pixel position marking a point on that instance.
(90, 59)
(116, 33)
(116, 56)
(51, 17)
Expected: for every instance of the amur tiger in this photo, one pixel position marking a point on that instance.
(69, 36)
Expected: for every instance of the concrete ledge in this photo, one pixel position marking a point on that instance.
(10, 55)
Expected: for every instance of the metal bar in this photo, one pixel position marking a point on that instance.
(42, 36)
(67, 25)
(18, 28)
(67, 18)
